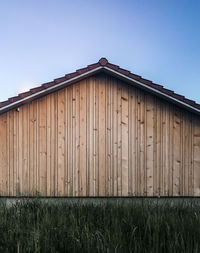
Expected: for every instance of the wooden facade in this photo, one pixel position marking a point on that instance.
(99, 136)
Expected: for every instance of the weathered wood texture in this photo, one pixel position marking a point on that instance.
(100, 137)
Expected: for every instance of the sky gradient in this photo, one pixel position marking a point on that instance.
(42, 40)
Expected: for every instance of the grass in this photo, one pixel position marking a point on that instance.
(121, 226)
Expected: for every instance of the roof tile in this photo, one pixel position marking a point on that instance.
(60, 79)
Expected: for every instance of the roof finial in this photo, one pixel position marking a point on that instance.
(103, 61)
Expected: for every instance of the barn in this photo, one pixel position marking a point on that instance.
(100, 131)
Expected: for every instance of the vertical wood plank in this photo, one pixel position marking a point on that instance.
(31, 149)
(96, 136)
(176, 155)
(35, 147)
(67, 140)
(171, 149)
(48, 141)
(42, 147)
(164, 149)
(102, 131)
(61, 142)
(52, 144)
(142, 146)
(125, 140)
(132, 141)
(108, 171)
(90, 118)
(70, 140)
(8, 154)
(3, 154)
(115, 113)
(77, 142)
(83, 139)
(158, 148)
(196, 147)
(167, 160)
(192, 156)
(15, 150)
(181, 169)
(25, 154)
(155, 173)
(149, 144)
(87, 138)
(74, 105)
(186, 152)
(119, 140)
(20, 152)
(11, 153)
(110, 161)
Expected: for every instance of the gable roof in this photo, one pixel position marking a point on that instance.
(105, 66)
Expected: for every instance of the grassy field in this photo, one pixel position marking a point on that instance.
(116, 226)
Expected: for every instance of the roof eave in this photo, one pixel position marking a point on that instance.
(49, 90)
(130, 80)
(153, 90)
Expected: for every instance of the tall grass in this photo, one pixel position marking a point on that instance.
(134, 226)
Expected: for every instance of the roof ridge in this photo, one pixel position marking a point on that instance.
(103, 63)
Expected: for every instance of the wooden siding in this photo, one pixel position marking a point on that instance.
(100, 137)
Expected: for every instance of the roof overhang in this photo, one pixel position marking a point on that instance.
(91, 72)
(152, 90)
(49, 90)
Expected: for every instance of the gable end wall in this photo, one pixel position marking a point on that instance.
(99, 137)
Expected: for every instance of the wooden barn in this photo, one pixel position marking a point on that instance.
(100, 131)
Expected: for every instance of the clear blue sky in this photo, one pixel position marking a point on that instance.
(42, 40)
